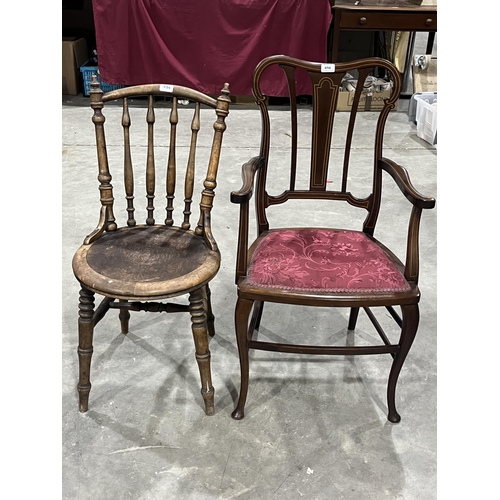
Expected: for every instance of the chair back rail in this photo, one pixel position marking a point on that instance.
(220, 105)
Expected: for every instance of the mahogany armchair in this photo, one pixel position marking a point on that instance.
(324, 265)
(135, 266)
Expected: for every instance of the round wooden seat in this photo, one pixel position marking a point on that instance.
(144, 262)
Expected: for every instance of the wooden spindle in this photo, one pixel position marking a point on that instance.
(128, 172)
(150, 165)
(189, 183)
(171, 163)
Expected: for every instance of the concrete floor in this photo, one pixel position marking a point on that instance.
(315, 427)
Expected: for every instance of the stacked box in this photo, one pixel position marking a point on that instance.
(74, 54)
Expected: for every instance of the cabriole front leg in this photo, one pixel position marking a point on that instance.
(408, 332)
(85, 349)
(200, 334)
(242, 312)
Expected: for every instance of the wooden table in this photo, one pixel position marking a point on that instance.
(380, 15)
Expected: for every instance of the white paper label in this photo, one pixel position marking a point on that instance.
(328, 68)
(166, 88)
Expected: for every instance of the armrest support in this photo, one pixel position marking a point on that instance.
(101, 226)
(207, 231)
(242, 197)
(248, 171)
(402, 179)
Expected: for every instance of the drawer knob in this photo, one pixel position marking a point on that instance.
(428, 22)
(362, 20)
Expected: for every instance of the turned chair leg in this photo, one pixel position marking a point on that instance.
(124, 316)
(200, 334)
(85, 349)
(353, 317)
(242, 312)
(210, 314)
(408, 332)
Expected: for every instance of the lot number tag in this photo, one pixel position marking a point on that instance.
(166, 88)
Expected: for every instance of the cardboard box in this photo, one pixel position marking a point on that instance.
(368, 101)
(248, 100)
(74, 54)
(241, 99)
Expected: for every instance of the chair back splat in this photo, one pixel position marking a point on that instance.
(325, 89)
(135, 264)
(323, 261)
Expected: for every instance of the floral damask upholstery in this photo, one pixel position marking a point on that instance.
(323, 260)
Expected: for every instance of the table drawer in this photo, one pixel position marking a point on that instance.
(400, 21)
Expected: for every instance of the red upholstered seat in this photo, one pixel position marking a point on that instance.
(323, 260)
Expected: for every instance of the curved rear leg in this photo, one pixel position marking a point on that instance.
(258, 308)
(408, 332)
(353, 317)
(200, 334)
(242, 312)
(85, 349)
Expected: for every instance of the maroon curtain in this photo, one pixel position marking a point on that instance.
(204, 43)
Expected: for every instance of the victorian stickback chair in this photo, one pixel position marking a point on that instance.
(325, 266)
(135, 266)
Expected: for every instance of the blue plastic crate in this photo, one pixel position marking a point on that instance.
(87, 72)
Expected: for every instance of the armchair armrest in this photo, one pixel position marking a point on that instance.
(402, 179)
(248, 171)
(419, 202)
